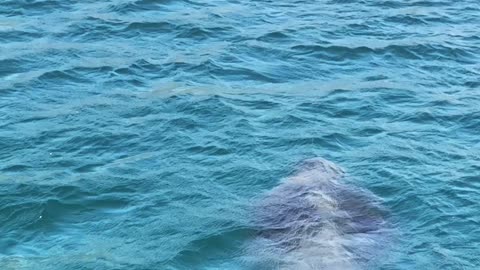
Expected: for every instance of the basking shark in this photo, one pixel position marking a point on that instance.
(313, 220)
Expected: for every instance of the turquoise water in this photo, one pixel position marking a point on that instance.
(138, 134)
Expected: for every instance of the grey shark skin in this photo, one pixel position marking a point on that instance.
(314, 221)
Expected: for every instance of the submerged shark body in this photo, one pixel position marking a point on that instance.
(313, 221)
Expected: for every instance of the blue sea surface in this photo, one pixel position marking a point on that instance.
(136, 134)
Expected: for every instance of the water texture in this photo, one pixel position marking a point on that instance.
(138, 134)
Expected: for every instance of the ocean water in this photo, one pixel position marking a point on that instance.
(138, 134)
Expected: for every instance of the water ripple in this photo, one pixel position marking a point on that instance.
(135, 134)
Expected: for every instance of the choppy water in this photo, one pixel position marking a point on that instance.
(136, 134)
